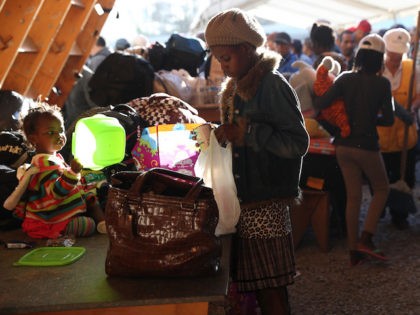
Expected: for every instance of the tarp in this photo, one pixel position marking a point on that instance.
(301, 14)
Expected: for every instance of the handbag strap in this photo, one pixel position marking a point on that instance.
(139, 184)
(195, 190)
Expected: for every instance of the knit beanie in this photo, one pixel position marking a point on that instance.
(232, 27)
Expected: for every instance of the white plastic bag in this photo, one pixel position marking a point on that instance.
(214, 165)
(24, 174)
(177, 83)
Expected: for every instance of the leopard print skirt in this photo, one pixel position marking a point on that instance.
(265, 220)
(263, 251)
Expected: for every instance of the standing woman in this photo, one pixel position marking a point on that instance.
(261, 117)
(368, 102)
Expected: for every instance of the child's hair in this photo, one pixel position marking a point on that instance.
(42, 109)
(368, 61)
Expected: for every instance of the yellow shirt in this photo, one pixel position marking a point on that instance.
(391, 139)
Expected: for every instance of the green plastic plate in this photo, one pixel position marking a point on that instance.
(51, 256)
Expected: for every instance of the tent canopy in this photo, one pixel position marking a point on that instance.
(301, 14)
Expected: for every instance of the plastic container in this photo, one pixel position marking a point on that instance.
(98, 141)
(51, 256)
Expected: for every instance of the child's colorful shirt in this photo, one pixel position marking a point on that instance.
(52, 195)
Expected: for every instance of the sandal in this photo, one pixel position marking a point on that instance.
(371, 251)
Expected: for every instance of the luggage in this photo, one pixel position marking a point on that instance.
(185, 53)
(121, 78)
(161, 109)
(161, 223)
(179, 52)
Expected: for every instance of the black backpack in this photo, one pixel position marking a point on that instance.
(13, 153)
(157, 55)
(133, 125)
(121, 78)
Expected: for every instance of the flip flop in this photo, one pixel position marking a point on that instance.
(375, 253)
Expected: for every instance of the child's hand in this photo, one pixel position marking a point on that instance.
(234, 133)
(76, 166)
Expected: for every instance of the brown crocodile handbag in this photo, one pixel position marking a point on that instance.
(161, 223)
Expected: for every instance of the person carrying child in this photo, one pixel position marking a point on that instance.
(368, 103)
(54, 202)
(261, 117)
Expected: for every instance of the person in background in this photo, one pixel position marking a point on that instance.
(368, 101)
(346, 45)
(261, 118)
(284, 48)
(297, 49)
(398, 69)
(78, 100)
(121, 44)
(140, 41)
(11, 104)
(53, 203)
(98, 53)
(361, 30)
(139, 45)
(13, 151)
(323, 44)
(271, 41)
(307, 49)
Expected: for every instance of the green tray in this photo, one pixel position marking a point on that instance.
(51, 256)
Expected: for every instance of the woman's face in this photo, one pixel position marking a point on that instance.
(393, 59)
(49, 137)
(234, 60)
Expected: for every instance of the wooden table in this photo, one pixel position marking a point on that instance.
(84, 288)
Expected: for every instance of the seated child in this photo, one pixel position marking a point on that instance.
(336, 113)
(54, 202)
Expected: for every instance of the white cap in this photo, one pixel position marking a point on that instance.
(397, 40)
(372, 42)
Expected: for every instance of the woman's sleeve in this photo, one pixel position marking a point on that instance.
(278, 125)
(387, 110)
(329, 96)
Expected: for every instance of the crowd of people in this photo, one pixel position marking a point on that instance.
(267, 101)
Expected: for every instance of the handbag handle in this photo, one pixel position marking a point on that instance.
(194, 182)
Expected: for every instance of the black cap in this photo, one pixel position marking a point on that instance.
(283, 38)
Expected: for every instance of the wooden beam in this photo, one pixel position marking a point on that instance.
(60, 49)
(42, 33)
(83, 44)
(16, 19)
